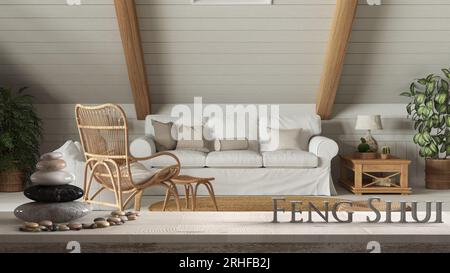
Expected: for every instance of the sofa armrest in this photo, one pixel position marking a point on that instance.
(143, 147)
(323, 147)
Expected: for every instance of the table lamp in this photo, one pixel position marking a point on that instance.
(369, 123)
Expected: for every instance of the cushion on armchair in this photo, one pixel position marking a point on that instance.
(139, 173)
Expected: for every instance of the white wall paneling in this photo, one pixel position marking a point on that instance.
(274, 49)
(226, 54)
(231, 2)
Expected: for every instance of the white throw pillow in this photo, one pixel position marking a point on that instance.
(291, 117)
(284, 139)
(73, 155)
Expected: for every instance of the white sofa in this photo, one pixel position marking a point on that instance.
(255, 171)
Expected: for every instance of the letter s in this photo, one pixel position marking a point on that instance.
(377, 212)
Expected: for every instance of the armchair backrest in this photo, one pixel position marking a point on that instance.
(103, 131)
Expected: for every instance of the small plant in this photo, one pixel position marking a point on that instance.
(385, 152)
(20, 131)
(429, 108)
(363, 147)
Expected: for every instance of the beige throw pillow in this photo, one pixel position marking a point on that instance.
(163, 136)
(191, 138)
(285, 139)
(230, 144)
(194, 145)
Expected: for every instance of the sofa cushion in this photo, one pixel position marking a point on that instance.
(188, 159)
(234, 159)
(289, 158)
(290, 118)
(230, 144)
(191, 138)
(164, 136)
(150, 130)
(284, 139)
(234, 126)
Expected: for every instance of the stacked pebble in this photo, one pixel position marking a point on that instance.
(117, 218)
(55, 207)
(55, 198)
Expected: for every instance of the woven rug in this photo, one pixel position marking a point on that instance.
(265, 203)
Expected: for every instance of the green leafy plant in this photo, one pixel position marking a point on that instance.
(429, 108)
(386, 150)
(363, 147)
(20, 131)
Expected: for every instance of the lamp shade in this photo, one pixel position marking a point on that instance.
(368, 122)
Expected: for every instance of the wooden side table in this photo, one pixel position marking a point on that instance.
(375, 175)
(191, 184)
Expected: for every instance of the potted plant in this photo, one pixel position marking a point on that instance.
(385, 152)
(364, 151)
(429, 108)
(20, 135)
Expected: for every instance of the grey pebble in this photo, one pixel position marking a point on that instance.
(63, 227)
(75, 226)
(46, 223)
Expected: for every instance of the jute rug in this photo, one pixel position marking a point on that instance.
(265, 203)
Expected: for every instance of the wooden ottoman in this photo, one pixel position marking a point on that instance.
(191, 184)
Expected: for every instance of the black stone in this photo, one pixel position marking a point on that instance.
(98, 219)
(62, 193)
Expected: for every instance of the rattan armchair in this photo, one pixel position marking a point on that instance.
(103, 132)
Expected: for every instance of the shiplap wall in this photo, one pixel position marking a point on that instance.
(227, 54)
(59, 126)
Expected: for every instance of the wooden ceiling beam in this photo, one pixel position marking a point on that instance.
(334, 61)
(134, 55)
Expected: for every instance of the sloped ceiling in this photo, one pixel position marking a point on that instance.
(226, 54)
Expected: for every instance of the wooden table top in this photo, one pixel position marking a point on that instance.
(231, 227)
(186, 179)
(391, 160)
